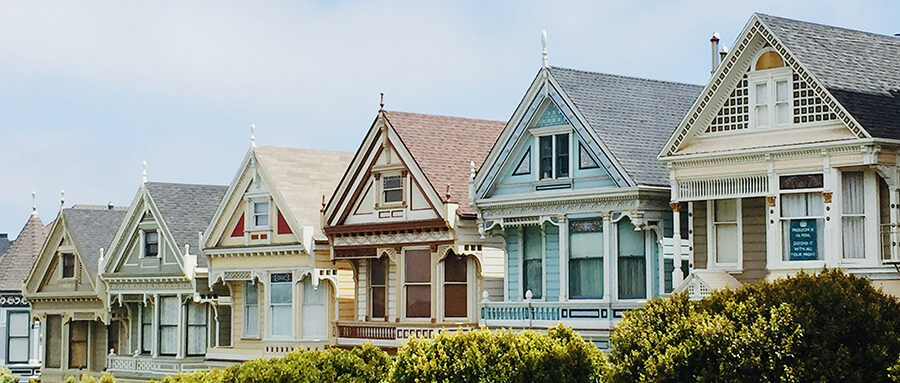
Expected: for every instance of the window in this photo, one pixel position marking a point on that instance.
(168, 325)
(533, 273)
(853, 215)
(726, 231)
(151, 243)
(78, 344)
(802, 217)
(554, 156)
(261, 214)
(53, 349)
(223, 319)
(456, 297)
(68, 265)
(417, 268)
(585, 160)
(18, 326)
(632, 261)
(771, 92)
(196, 329)
(147, 328)
(314, 314)
(112, 337)
(524, 166)
(281, 298)
(251, 310)
(586, 259)
(392, 187)
(377, 287)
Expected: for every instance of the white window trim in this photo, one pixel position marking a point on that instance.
(771, 78)
(567, 257)
(551, 131)
(711, 249)
(268, 302)
(470, 288)
(403, 189)
(402, 274)
(62, 266)
(613, 273)
(245, 334)
(252, 213)
(777, 262)
(522, 289)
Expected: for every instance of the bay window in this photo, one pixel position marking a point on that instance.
(586, 259)
(196, 329)
(802, 217)
(377, 287)
(417, 280)
(853, 218)
(17, 334)
(632, 261)
(281, 299)
(726, 231)
(554, 156)
(532, 268)
(169, 308)
(455, 286)
(251, 309)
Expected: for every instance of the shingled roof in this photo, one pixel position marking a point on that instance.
(15, 264)
(443, 148)
(90, 228)
(860, 69)
(634, 117)
(302, 176)
(5, 243)
(186, 210)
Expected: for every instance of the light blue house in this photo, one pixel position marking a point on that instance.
(574, 187)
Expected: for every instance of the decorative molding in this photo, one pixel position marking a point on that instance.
(526, 211)
(13, 300)
(393, 238)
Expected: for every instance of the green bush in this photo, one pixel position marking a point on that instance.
(6, 376)
(499, 356)
(829, 327)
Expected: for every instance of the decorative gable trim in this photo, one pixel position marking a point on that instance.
(753, 28)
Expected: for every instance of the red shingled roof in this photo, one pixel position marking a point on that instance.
(443, 146)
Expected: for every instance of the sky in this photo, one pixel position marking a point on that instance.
(91, 89)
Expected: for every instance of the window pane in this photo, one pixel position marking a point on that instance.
(782, 113)
(454, 268)
(533, 276)
(632, 263)
(196, 314)
(392, 182)
(168, 310)
(146, 337)
(562, 155)
(586, 278)
(18, 350)
(532, 242)
(631, 241)
(782, 93)
(315, 318)
(18, 324)
(251, 293)
(852, 192)
(223, 316)
(853, 233)
(418, 301)
(68, 265)
(196, 340)
(586, 245)
(726, 243)
(168, 340)
(78, 344)
(418, 265)
(281, 320)
(762, 115)
(546, 155)
(801, 181)
(726, 210)
(281, 293)
(455, 300)
(793, 205)
(762, 93)
(261, 208)
(393, 195)
(251, 320)
(378, 302)
(53, 351)
(377, 271)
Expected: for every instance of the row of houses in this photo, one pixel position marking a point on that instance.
(599, 193)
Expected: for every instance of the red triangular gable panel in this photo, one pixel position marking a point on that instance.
(283, 227)
(239, 228)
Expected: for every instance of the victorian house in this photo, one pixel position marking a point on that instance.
(790, 157)
(20, 348)
(573, 188)
(271, 283)
(401, 217)
(67, 297)
(158, 324)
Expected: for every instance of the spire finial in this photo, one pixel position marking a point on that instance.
(252, 135)
(62, 198)
(472, 169)
(544, 60)
(381, 104)
(34, 203)
(144, 172)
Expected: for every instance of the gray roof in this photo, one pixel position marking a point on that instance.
(16, 263)
(90, 228)
(186, 210)
(861, 69)
(634, 117)
(5, 243)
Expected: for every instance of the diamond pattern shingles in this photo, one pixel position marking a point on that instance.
(634, 117)
(186, 209)
(861, 69)
(92, 227)
(16, 262)
(444, 146)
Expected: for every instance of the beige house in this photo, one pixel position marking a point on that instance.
(270, 281)
(790, 158)
(66, 295)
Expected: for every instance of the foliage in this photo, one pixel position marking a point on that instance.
(6, 376)
(499, 356)
(830, 327)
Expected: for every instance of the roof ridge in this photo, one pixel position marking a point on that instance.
(92, 207)
(182, 183)
(444, 116)
(304, 149)
(627, 76)
(893, 38)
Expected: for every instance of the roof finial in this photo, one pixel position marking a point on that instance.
(323, 202)
(472, 169)
(62, 198)
(448, 192)
(381, 103)
(252, 136)
(144, 173)
(34, 203)
(544, 60)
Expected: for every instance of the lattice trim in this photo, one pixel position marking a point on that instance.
(735, 114)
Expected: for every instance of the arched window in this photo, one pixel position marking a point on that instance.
(770, 91)
(769, 60)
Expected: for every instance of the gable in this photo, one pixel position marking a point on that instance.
(725, 118)
(47, 276)
(128, 255)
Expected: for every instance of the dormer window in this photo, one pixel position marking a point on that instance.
(392, 188)
(68, 265)
(771, 91)
(261, 214)
(554, 156)
(151, 244)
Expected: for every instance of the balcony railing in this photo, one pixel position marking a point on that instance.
(591, 315)
(384, 331)
(145, 365)
(890, 248)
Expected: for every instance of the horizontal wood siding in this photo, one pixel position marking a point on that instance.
(512, 264)
(700, 235)
(551, 262)
(753, 219)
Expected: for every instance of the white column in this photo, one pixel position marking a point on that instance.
(155, 349)
(871, 207)
(181, 328)
(895, 219)
(35, 353)
(677, 275)
(563, 258)
(607, 258)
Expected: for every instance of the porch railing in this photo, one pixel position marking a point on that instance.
(526, 314)
(146, 365)
(394, 331)
(890, 248)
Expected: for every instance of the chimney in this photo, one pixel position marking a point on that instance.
(714, 44)
(722, 53)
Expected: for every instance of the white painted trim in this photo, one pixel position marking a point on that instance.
(712, 242)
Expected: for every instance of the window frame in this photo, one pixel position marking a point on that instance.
(371, 287)
(616, 256)
(712, 243)
(86, 343)
(245, 332)
(539, 296)
(781, 262)
(160, 326)
(146, 327)
(444, 283)
(553, 132)
(770, 77)
(270, 305)
(63, 268)
(602, 257)
(9, 336)
(254, 214)
(407, 283)
(145, 244)
(385, 189)
(187, 328)
(843, 215)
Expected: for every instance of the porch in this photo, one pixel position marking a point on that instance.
(387, 334)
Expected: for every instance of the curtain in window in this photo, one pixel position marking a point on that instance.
(533, 274)
(854, 219)
(168, 325)
(315, 317)
(78, 340)
(456, 298)
(251, 309)
(562, 155)
(18, 328)
(377, 283)
(803, 226)
(586, 259)
(223, 319)
(726, 230)
(417, 269)
(196, 329)
(546, 156)
(632, 262)
(147, 328)
(281, 298)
